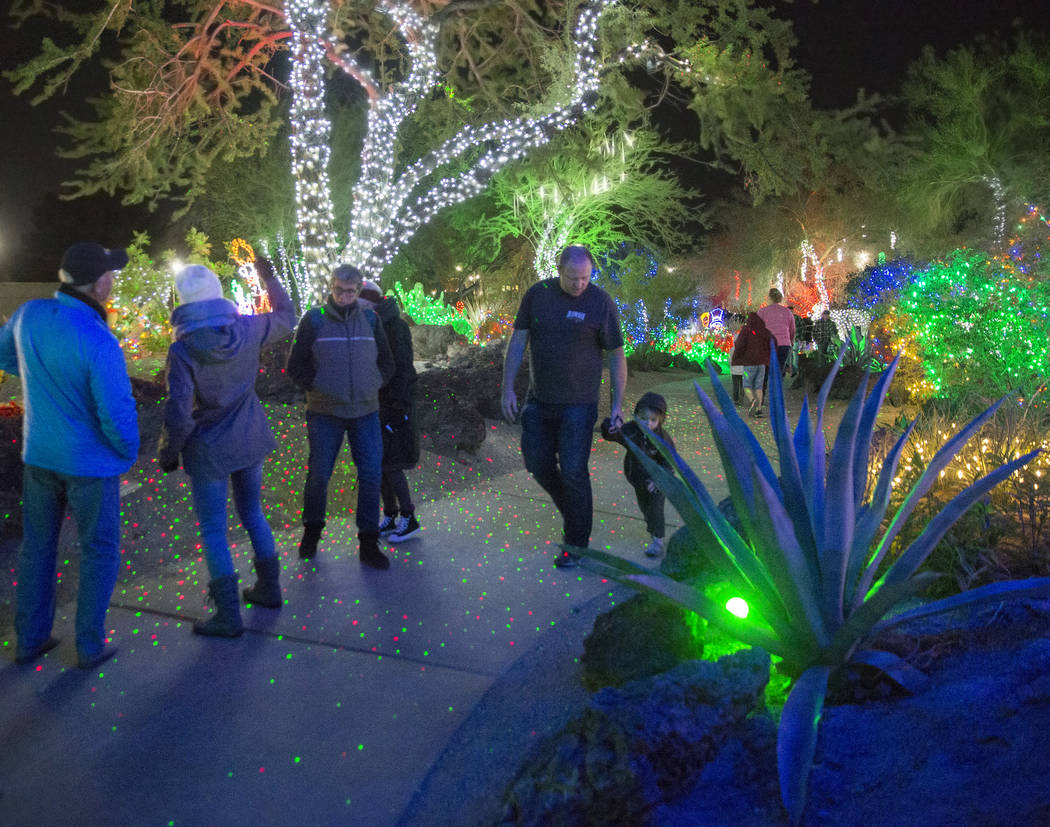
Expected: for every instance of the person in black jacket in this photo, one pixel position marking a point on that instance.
(397, 416)
(650, 411)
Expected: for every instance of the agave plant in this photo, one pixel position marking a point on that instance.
(811, 555)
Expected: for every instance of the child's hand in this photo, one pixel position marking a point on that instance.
(651, 487)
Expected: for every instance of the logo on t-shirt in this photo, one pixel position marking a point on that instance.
(576, 315)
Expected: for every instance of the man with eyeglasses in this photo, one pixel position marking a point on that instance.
(341, 358)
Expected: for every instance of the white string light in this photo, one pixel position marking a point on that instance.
(389, 208)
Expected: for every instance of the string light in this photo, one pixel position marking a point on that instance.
(388, 207)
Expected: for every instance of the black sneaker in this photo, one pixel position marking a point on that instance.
(388, 525)
(566, 560)
(407, 528)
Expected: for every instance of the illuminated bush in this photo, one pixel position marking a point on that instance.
(972, 324)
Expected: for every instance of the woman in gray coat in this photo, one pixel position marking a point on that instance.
(214, 419)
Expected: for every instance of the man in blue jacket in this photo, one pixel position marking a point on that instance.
(80, 434)
(341, 358)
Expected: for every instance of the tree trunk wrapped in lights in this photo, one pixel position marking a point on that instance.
(391, 204)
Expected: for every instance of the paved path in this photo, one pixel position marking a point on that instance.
(372, 698)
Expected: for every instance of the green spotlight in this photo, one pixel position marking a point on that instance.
(737, 606)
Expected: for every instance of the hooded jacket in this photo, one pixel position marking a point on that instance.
(213, 416)
(80, 415)
(752, 343)
(341, 358)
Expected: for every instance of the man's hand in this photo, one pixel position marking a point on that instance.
(615, 418)
(509, 403)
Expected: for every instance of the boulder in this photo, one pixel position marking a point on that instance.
(646, 743)
(643, 636)
(434, 341)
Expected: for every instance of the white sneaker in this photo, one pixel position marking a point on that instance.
(655, 547)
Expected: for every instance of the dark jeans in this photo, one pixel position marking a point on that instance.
(397, 496)
(783, 352)
(95, 505)
(652, 505)
(556, 445)
(209, 498)
(325, 434)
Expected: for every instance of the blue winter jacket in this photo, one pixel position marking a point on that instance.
(213, 416)
(79, 412)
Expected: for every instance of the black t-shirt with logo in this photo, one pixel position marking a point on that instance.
(566, 338)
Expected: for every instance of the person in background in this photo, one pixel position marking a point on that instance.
(780, 322)
(651, 411)
(752, 351)
(213, 419)
(341, 358)
(568, 324)
(397, 404)
(80, 433)
(824, 335)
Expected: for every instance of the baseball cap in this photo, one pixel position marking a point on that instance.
(84, 263)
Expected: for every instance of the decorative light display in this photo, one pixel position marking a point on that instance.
(253, 298)
(973, 323)
(311, 136)
(882, 283)
(388, 207)
(737, 606)
(811, 259)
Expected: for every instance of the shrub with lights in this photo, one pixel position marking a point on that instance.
(972, 324)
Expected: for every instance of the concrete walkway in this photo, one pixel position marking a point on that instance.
(408, 696)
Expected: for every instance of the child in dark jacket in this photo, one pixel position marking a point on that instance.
(650, 411)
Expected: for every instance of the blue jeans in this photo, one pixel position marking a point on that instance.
(556, 445)
(209, 498)
(95, 505)
(325, 434)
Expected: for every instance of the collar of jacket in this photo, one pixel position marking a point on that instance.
(208, 313)
(341, 313)
(69, 290)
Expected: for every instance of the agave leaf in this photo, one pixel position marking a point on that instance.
(915, 554)
(862, 443)
(803, 439)
(742, 629)
(863, 619)
(871, 516)
(793, 489)
(1036, 587)
(618, 564)
(736, 423)
(791, 569)
(894, 667)
(918, 491)
(836, 534)
(797, 737)
(696, 506)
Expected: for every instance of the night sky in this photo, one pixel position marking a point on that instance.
(844, 44)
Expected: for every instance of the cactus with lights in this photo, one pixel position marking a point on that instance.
(391, 201)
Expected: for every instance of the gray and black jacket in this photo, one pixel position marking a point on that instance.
(341, 358)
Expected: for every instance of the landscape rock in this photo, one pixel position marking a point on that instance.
(642, 636)
(643, 744)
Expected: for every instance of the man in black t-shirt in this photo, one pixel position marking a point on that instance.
(568, 324)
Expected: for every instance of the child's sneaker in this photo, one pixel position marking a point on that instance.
(655, 547)
(388, 525)
(407, 527)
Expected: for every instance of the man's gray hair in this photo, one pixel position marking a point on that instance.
(348, 273)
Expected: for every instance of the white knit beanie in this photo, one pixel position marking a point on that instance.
(197, 283)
